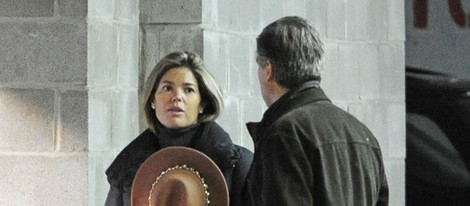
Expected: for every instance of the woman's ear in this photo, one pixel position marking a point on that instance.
(201, 107)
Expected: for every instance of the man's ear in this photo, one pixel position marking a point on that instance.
(269, 71)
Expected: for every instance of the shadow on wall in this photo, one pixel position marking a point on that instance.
(27, 120)
(39, 120)
(438, 138)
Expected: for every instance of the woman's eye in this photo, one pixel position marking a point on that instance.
(190, 90)
(166, 88)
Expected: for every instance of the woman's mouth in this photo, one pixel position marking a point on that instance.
(175, 110)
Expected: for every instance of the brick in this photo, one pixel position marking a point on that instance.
(336, 19)
(392, 71)
(346, 73)
(113, 119)
(330, 70)
(27, 120)
(369, 72)
(243, 76)
(228, 13)
(128, 58)
(209, 11)
(74, 121)
(127, 11)
(366, 20)
(396, 20)
(375, 117)
(216, 57)
(44, 180)
(150, 53)
(170, 11)
(395, 171)
(43, 52)
(317, 14)
(271, 11)
(250, 21)
(160, 40)
(181, 38)
(125, 121)
(101, 10)
(77, 8)
(359, 76)
(98, 162)
(100, 120)
(395, 129)
(103, 54)
(230, 118)
(294, 8)
(27, 8)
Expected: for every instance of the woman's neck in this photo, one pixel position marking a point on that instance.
(177, 137)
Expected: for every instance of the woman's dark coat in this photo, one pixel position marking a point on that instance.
(233, 160)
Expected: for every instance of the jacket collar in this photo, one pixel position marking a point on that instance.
(306, 93)
(211, 139)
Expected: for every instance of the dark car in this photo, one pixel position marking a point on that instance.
(438, 138)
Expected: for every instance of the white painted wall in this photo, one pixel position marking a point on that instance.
(363, 70)
(113, 76)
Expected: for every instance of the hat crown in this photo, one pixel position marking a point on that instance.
(179, 176)
(179, 186)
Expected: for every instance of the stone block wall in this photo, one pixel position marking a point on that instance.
(363, 71)
(71, 73)
(43, 102)
(126, 39)
(113, 76)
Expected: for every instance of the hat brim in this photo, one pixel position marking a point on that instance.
(169, 157)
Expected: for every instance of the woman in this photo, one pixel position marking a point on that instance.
(181, 103)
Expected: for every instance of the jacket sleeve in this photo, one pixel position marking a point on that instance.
(383, 199)
(114, 197)
(239, 175)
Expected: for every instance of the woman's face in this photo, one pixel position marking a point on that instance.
(177, 99)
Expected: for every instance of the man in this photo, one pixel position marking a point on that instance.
(307, 150)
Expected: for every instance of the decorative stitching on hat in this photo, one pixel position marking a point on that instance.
(185, 167)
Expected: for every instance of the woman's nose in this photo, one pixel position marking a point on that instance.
(176, 96)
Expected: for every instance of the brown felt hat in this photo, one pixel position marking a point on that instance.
(179, 176)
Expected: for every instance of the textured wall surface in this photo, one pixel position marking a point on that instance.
(113, 73)
(71, 73)
(126, 39)
(363, 71)
(43, 102)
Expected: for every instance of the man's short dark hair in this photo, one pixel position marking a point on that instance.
(294, 48)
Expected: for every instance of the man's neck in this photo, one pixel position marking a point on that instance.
(277, 93)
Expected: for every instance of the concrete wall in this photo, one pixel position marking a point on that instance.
(71, 73)
(126, 39)
(113, 76)
(43, 102)
(363, 71)
(167, 26)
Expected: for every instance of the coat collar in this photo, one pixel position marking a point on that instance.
(306, 93)
(211, 139)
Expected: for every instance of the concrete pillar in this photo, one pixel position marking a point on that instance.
(113, 73)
